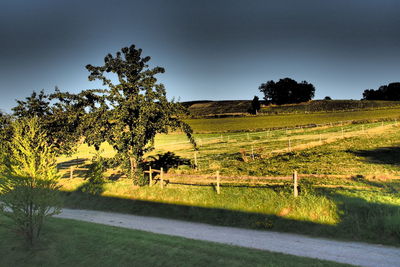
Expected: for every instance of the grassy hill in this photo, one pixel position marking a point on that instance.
(329, 106)
(208, 108)
(257, 123)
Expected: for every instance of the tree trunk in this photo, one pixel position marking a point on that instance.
(133, 166)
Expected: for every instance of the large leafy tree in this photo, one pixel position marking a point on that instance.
(287, 91)
(135, 108)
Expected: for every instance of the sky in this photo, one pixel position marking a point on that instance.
(211, 49)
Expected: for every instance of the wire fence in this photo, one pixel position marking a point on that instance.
(284, 139)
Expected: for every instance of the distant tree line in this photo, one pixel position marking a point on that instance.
(384, 92)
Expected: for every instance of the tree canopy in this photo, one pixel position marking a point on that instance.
(134, 109)
(61, 114)
(287, 91)
(384, 92)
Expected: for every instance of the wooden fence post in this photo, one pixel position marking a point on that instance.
(289, 145)
(295, 192)
(71, 172)
(382, 123)
(150, 176)
(252, 152)
(342, 132)
(218, 182)
(320, 138)
(248, 137)
(161, 178)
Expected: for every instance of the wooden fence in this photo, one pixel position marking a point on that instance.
(216, 180)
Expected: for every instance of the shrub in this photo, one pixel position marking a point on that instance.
(95, 176)
(28, 183)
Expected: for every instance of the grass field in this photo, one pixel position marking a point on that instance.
(363, 205)
(241, 107)
(255, 123)
(73, 243)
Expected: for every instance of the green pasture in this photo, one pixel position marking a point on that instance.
(254, 123)
(364, 205)
(226, 152)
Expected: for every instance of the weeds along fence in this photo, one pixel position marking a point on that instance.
(217, 181)
(274, 132)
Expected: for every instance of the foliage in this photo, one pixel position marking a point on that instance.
(327, 98)
(95, 176)
(58, 114)
(287, 91)
(5, 136)
(255, 105)
(29, 181)
(384, 92)
(138, 107)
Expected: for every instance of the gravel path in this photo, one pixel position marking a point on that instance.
(345, 252)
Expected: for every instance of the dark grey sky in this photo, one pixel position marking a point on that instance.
(210, 49)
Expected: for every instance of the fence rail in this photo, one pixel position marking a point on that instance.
(217, 181)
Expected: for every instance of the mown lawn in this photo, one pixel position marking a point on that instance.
(74, 243)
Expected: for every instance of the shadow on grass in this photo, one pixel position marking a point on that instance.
(74, 162)
(392, 187)
(382, 155)
(360, 220)
(166, 161)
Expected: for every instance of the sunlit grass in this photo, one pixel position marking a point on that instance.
(287, 120)
(367, 155)
(311, 207)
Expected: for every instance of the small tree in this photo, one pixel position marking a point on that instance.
(287, 91)
(137, 110)
(29, 182)
(255, 105)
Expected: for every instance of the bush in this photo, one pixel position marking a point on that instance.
(28, 183)
(139, 178)
(95, 176)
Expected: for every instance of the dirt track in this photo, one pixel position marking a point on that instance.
(345, 252)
